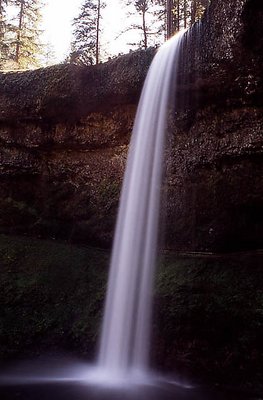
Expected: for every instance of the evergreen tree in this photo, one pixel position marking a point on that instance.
(148, 24)
(197, 9)
(182, 13)
(48, 55)
(25, 41)
(3, 4)
(87, 29)
(3, 28)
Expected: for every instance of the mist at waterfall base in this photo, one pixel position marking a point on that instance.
(122, 368)
(62, 378)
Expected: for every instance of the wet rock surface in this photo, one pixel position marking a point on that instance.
(64, 134)
(215, 178)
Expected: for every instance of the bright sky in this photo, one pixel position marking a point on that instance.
(57, 18)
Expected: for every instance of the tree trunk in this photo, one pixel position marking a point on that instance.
(2, 23)
(193, 11)
(178, 16)
(18, 38)
(145, 39)
(169, 18)
(98, 33)
(185, 14)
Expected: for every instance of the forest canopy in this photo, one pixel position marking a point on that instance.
(150, 23)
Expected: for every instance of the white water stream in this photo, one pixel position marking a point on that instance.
(124, 346)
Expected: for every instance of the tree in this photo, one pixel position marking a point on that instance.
(3, 27)
(3, 4)
(87, 29)
(197, 9)
(26, 33)
(48, 55)
(182, 13)
(147, 25)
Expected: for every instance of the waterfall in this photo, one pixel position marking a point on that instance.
(124, 345)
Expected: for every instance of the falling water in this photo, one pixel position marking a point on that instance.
(124, 346)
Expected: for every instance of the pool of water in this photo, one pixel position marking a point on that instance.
(67, 379)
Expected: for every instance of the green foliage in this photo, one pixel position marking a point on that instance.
(148, 25)
(50, 294)
(3, 28)
(165, 17)
(27, 31)
(20, 36)
(213, 321)
(109, 193)
(85, 46)
(182, 13)
(208, 312)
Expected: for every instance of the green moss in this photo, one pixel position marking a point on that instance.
(208, 312)
(209, 317)
(49, 292)
(109, 190)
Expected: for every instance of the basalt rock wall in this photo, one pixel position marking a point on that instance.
(65, 130)
(215, 174)
(64, 133)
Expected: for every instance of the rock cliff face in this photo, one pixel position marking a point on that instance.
(215, 175)
(64, 133)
